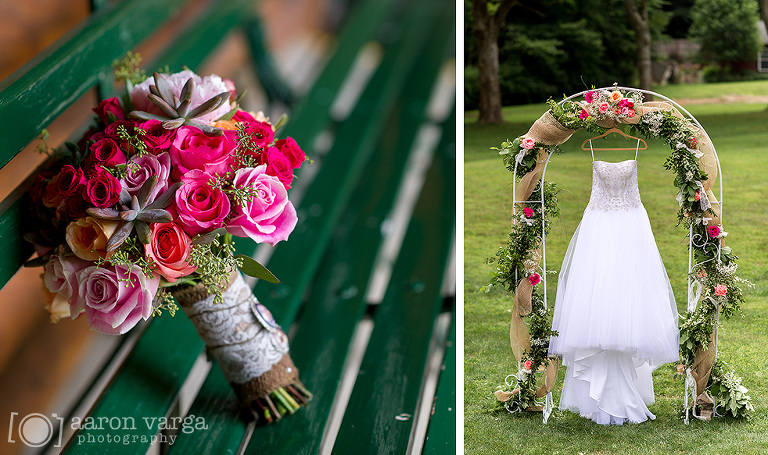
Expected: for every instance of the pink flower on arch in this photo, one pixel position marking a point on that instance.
(721, 289)
(589, 96)
(528, 365)
(713, 231)
(534, 279)
(583, 114)
(604, 108)
(528, 143)
(528, 212)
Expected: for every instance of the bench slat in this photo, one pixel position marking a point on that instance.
(145, 387)
(441, 434)
(41, 90)
(391, 373)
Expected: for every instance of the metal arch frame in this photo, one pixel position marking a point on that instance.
(690, 300)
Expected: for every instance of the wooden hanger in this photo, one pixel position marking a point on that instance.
(618, 131)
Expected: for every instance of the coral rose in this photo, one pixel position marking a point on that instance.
(721, 290)
(169, 249)
(116, 298)
(268, 217)
(88, 237)
(528, 143)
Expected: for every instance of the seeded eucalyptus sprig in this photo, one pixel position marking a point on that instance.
(177, 109)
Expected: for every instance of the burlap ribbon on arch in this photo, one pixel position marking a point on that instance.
(549, 131)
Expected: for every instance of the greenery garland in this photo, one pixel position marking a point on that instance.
(717, 279)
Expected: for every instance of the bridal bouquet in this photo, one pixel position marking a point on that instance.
(141, 212)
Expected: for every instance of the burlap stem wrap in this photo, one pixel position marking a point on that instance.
(250, 348)
(701, 368)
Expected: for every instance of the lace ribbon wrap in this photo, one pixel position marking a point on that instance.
(241, 334)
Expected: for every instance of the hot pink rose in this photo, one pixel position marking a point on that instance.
(145, 166)
(193, 149)
(267, 218)
(528, 212)
(279, 166)
(116, 298)
(102, 189)
(109, 110)
(534, 279)
(604, 107)
(199, 206)
(68, 182)
(157, 138)
(205, 88)
(528, 143)
(714, 231)
(106, 152)
(169, 249)
(721, 289)
(60, 278)
(589, 96)
(583, 114)
(292, 151)
(261, 133)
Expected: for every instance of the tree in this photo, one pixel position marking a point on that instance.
(727, 31)
(488, 18)
(638, 17)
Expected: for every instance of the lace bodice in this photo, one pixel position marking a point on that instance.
(614, 186)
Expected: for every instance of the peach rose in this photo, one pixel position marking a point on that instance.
(616, 96)
(88, 237)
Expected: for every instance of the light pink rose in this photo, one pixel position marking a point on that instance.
(604, 108)
(145, 167)
(193, 149)
(112, 304)
(205, 88)
(199, 206)
(721, 289)
(267, 218)
(60, 278)
(528, 143)
(169, 249)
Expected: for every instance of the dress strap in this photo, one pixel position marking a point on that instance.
(593, 152)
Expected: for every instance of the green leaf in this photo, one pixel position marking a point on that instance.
(281, 121)
(254, 269)
(208, 238)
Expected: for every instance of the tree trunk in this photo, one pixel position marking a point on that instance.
(486, 32)
(638, 17)
(764, 11)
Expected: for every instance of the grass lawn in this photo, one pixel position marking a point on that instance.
(740, 134)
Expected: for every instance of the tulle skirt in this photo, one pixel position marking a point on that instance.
(616, 317)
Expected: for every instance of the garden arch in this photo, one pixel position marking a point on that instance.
(712, 284)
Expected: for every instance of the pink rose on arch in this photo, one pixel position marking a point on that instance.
(528, 365)
(157, 138)
(116, 298)
(109, 110)
(713, 231)
(60, 278)
(583, 114)
(631, 113)
(534, 279)
(528, 143)
(528, 212)
(169, 249)
(267, 218)
(193, 149)
(604, 107)
(292, 151)
(102, 189)
(199, 206)
(589, 96)
(144, 167)
(721, 290)
(205, 88)
(279, 166)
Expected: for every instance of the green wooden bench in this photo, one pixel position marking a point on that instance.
(354, 209)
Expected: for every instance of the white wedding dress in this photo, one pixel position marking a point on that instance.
(614, 311)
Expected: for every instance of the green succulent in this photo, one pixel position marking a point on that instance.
(136, 213)
(177, 110)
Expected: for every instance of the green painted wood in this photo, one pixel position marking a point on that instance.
(201, 37)
(15, 250)
(391, 373)
(41, 90)
(441, 434)
(295, 261)
(266, 71)
(143, 391)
